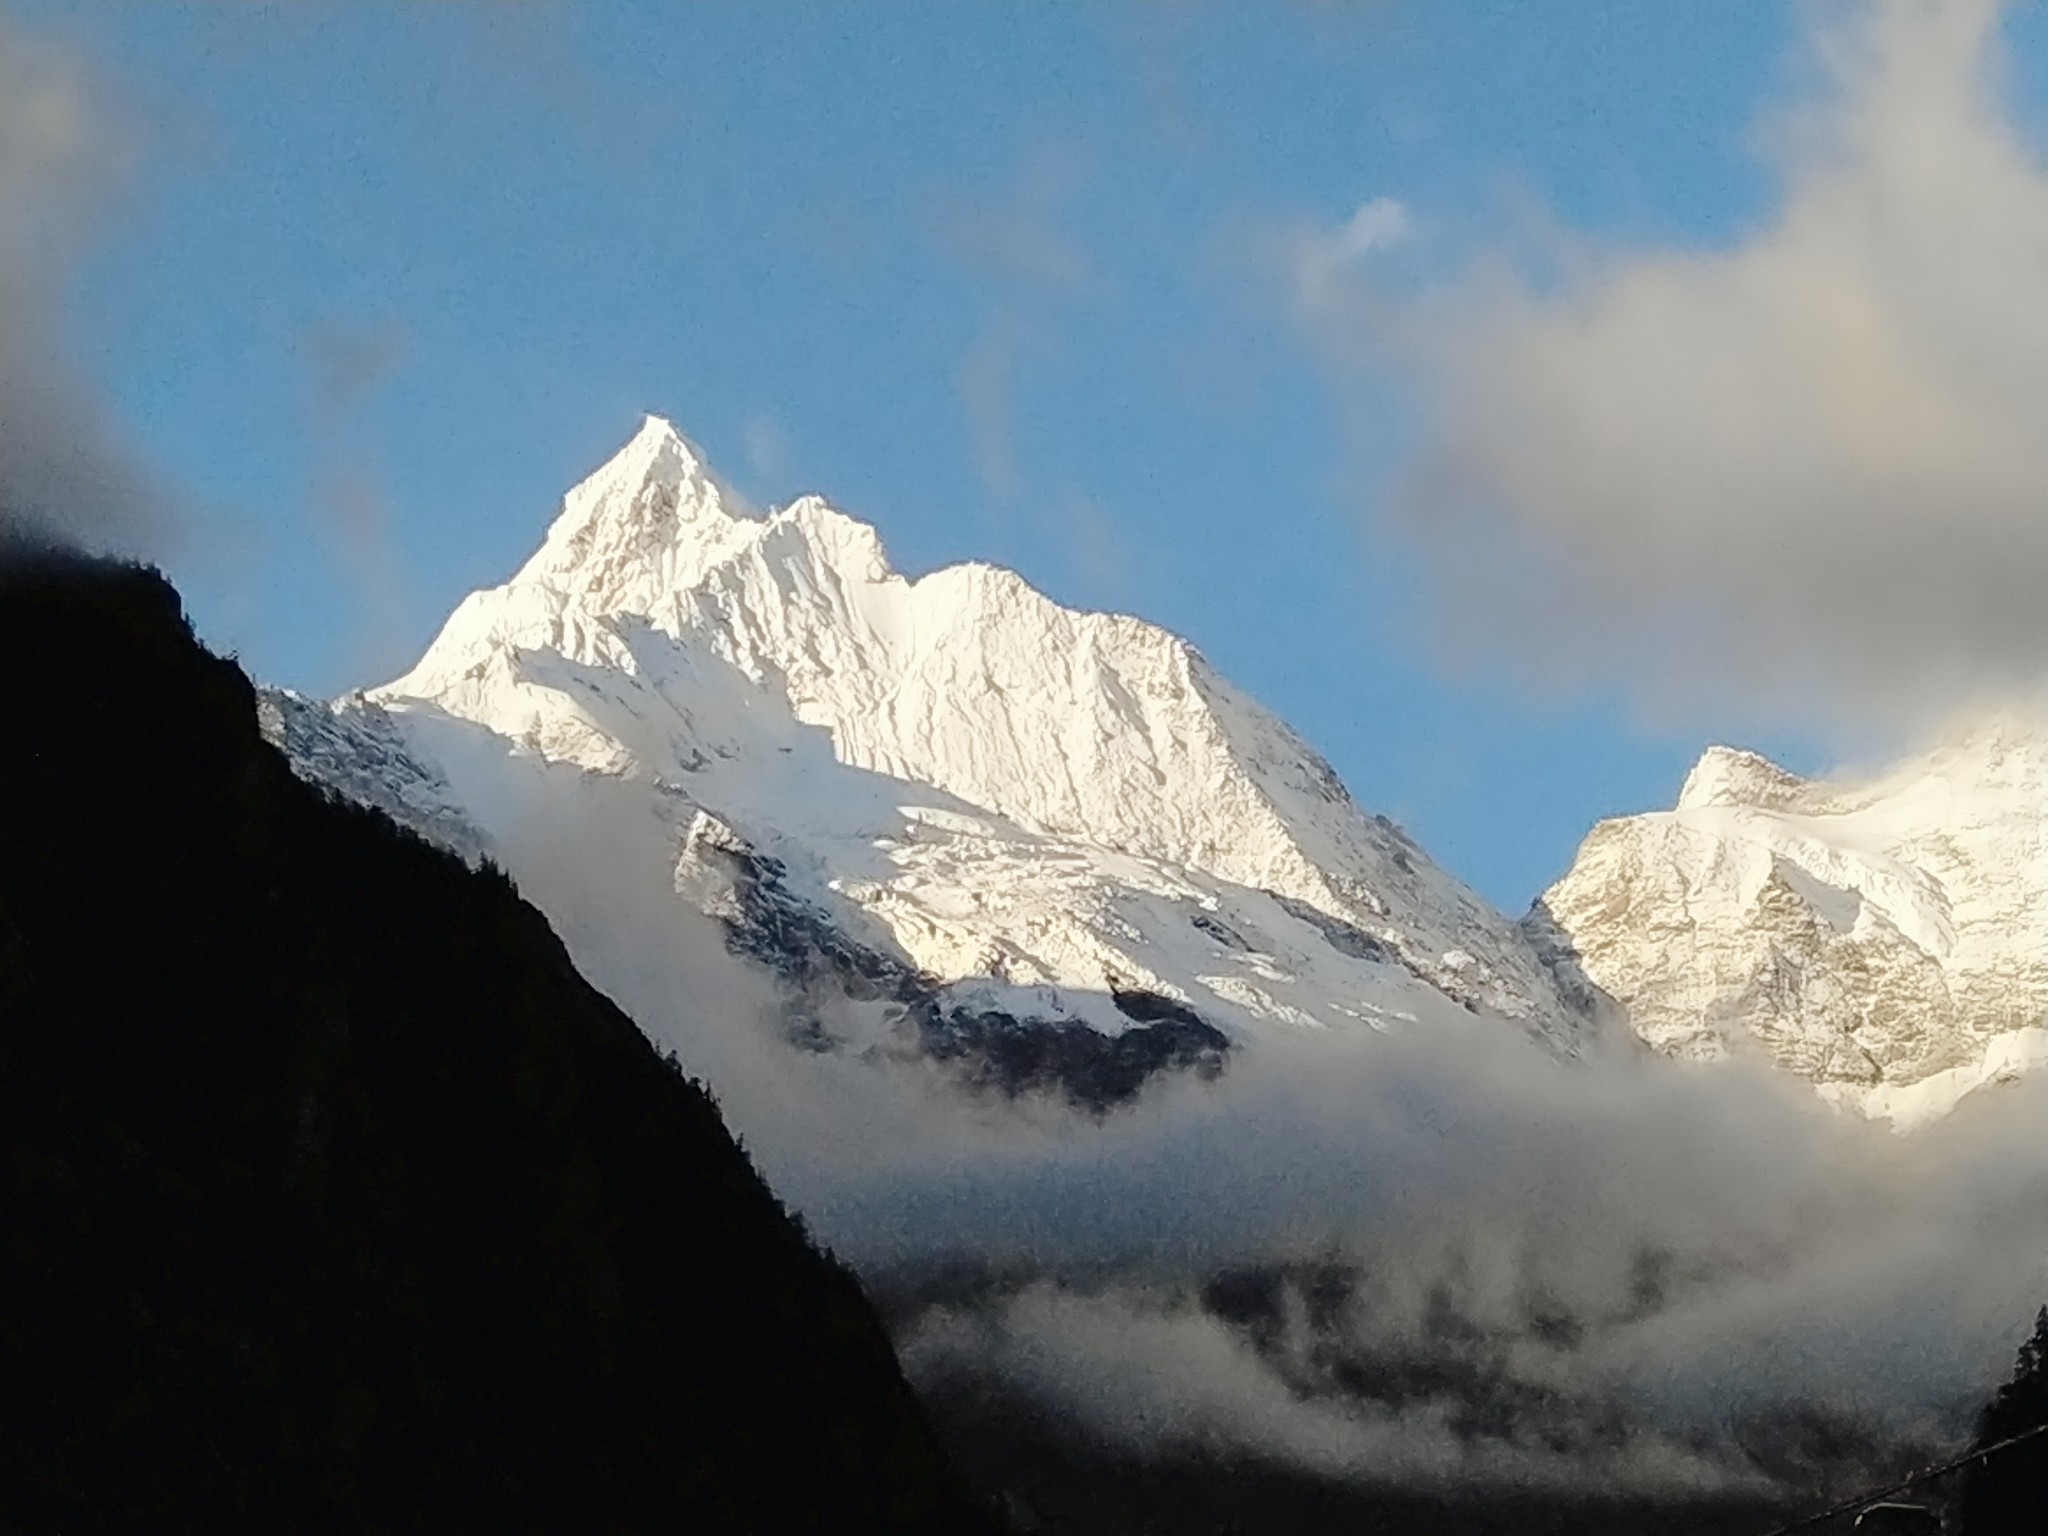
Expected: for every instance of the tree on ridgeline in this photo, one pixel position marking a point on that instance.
(2007, 1493)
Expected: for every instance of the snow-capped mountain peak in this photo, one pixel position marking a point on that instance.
(971, 806)
(1885, 937)
(1731, 776)
(988, 790)
(651, 515)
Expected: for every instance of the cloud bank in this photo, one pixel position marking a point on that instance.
(1435, 1257)
(64, 474)
(1804, 471)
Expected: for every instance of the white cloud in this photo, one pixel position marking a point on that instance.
(1806, 1258)
(1375, 226)
(1155, 1373)
(1325, 258)
(1805, 471)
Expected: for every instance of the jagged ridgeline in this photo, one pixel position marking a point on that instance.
(335, 1199)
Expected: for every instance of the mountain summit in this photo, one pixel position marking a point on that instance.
(958, 818)
(1885, 938)
(976, 798)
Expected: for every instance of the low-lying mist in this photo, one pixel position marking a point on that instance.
(1438, 1256)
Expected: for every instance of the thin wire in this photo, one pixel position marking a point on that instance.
(1864, 1500)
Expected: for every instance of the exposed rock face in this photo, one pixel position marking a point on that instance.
(1886, 939)
(1026, 808)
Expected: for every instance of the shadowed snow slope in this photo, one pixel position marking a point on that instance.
(1041, 811)
(1885, 939)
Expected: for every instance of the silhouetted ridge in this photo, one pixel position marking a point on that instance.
(335, 1199)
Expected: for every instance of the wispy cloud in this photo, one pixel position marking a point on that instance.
(64, 471)
(1097, 552)
(350, 367)
(771, 458)
(1019, 237)
(1325, 257)
(1018, 248)
(987, 381)
(1804, 471)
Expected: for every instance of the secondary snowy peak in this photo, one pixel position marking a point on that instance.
(1885, 937)
(988, 783)
(1730, 776)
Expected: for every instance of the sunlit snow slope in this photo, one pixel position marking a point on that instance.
(1886, 939)
(1042, 811)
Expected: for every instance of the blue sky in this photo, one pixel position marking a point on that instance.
(1015, 284)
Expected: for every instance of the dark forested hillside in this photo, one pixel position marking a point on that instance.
(2007, 1493)
(334, 1198)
